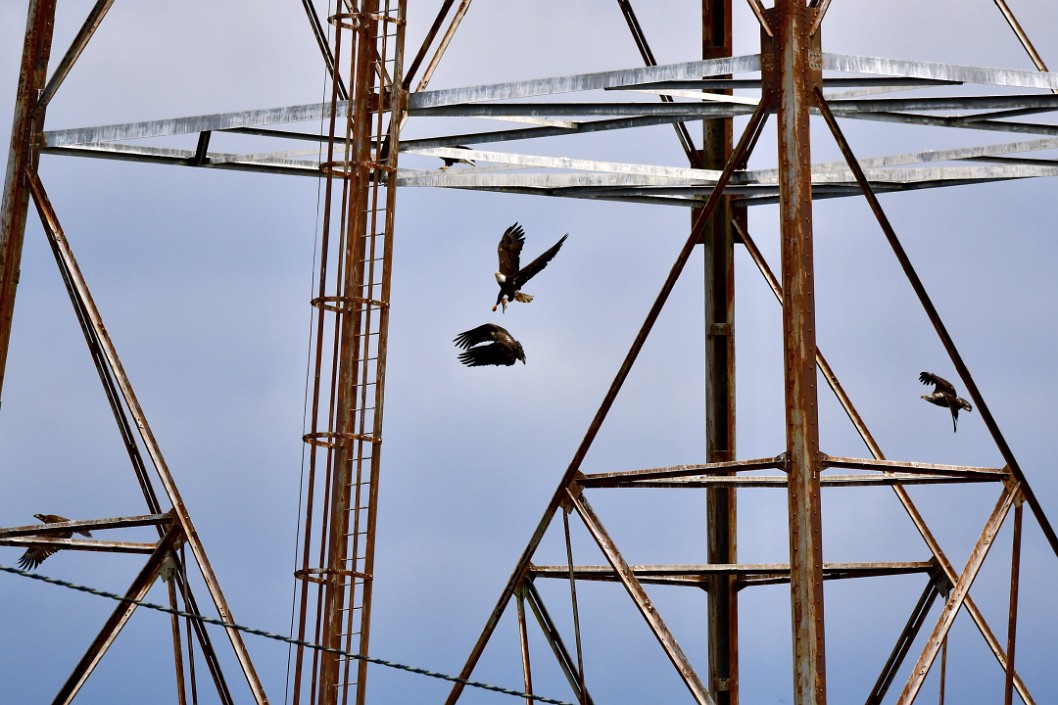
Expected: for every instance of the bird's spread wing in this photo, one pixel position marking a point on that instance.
(491, 354)
(481, 334)
(534, 267)
(510, 249)
(34, 556)
(943, 385)
(502, 348)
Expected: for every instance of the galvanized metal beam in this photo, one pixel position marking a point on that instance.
(940, 71)
(582, 82)
(191, 124)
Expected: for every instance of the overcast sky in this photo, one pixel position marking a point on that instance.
(204, 278)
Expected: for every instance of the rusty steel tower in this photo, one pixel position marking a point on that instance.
(789, 84)
(792, 82)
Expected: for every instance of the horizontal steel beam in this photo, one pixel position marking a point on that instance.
(686, 470)
(80, 544)
(781, 481)
(939, 71)
(896, 466)
(583, 82)
(187, 125)
(63, 526)
(699, 574)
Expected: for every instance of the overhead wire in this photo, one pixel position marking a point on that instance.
(279, 637)
(327, 81)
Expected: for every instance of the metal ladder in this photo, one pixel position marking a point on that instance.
(345, 436)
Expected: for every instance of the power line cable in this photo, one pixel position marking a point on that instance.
(280, 637)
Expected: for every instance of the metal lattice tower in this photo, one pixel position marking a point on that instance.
(372, 97)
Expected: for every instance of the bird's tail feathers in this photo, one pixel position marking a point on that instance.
(524, 298)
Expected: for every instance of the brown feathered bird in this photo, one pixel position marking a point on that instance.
(502, 348)
(512, 276)
(452, 161)
(944, 395)
(35, 555)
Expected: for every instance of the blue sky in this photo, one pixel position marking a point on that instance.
(203, 279)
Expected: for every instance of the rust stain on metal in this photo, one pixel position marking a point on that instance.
(23, 156)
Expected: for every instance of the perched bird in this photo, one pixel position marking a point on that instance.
(451, 161)
(944, 395)
(35, 555)
(502, 348)
(512, 277)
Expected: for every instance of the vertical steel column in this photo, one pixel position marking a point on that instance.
(787, 70)
(718, 246)
(36, 51)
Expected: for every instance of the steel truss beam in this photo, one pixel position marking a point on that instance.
(635, 182)
(897, 474)
(85, 305)
(528, 593)
(684, 187)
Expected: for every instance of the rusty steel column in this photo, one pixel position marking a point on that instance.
(791, 76)
(24, 154)
(718, 245)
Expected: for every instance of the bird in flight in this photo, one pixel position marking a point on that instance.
(35, 555)
(944, 395)
(512, 277)
(501, 347)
